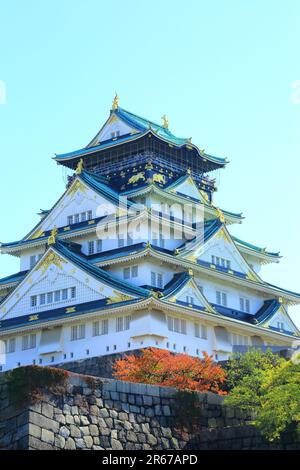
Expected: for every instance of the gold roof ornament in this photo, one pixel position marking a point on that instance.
(220, 215)
(52, 238)
(115, 103)
(190, 272)
(79, 167)
(188, 171)
(280, 300)
(165, 122)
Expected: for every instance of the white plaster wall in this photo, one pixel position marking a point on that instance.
(137, 337)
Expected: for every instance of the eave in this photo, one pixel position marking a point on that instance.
(70, 159)
(230, 218)
(149, 303)
(293, 298)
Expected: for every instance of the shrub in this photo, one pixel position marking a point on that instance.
(160, 367)
(28, 384)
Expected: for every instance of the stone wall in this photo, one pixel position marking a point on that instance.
(98, 366)
(104, 414)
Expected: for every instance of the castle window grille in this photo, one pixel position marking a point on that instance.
(10, 345)
(28, 342)
(91, 247)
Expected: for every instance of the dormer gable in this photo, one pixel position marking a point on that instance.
(85, 199)
(64, 279)
(114, 128)
(215, 248)
(183, 289)
(186, 186)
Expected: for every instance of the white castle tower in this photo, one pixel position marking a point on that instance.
(135, 254)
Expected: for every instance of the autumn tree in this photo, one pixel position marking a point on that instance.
(160, 367)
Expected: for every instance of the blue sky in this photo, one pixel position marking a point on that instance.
(222, 71)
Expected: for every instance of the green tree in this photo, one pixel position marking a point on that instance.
(250, 364)
(270, 386)
(279, 408)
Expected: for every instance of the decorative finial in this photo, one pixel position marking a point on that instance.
(188, 171)
(190, 140)
(148, 244)
(79, 167)
(220, 215)
(165, 122)
(190, 272)
(52, 238)
(115, 103)
(280, 300)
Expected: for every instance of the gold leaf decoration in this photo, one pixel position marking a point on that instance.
(118, 297)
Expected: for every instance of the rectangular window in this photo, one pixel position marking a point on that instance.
(89, 215)
(153, 279)
(96, 328)
(127, 323)
(91, 248)
(42, 299)
(228, 264)
(10, 346)
(183, 327)
(64, 294)
(159, 281)
(57, 296)
(77, 332)
(33, 301)
(221, 298)
(100, 328)
(176, 325)
(197, 330)
(134, 271)
(81, 332)
(73, 292)
(74, 333)
(70, 220)
(119, 324)
(32, 261)
(126, 273)
(76, 218)
(28, 342)
(203, 331)
(244, 304)
(83, 216)
(99, 246)
(104, 327)
(49, 297)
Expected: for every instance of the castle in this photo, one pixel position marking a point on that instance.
(136, 254)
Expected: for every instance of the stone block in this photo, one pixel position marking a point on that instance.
(75, 431)
(93, 430)
(88, 441)
(47, 410)
(116, 445)
(43, 422)
(103, 413)
(64, 432)
(79, 443)
(59, 442)
(47, 436)
(34, 430)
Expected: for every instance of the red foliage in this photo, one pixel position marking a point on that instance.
(160, 367)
